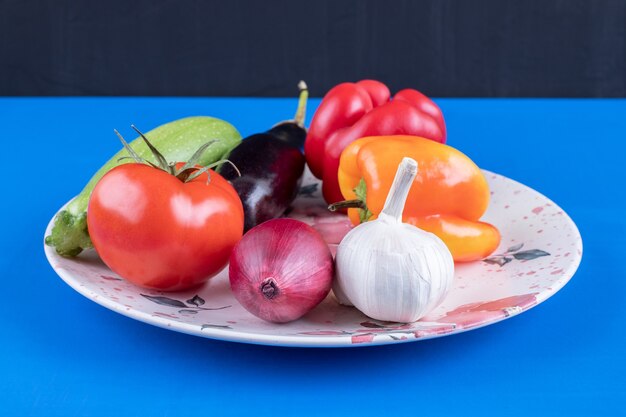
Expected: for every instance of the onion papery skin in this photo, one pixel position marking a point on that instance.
(280, 270)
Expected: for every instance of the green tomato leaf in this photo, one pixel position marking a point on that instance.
(193, 160)
(155, 152)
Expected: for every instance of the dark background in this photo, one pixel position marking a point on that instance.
(490, 48)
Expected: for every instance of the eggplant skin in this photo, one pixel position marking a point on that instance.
(271, 171)
(289, 132)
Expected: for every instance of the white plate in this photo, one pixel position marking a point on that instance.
(540, 251)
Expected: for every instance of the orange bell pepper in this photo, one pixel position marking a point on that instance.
(448, 197)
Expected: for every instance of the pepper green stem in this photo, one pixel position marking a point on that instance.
(356, 203)
(359, 202)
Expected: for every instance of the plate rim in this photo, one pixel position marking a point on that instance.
(327, 341)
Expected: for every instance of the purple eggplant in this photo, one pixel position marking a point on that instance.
(271, 166)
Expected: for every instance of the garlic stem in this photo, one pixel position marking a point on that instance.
(399, 191)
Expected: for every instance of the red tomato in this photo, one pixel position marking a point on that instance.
(158, 232)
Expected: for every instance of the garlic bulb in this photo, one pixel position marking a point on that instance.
(389, 270)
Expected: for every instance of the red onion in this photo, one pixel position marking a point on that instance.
(280, 270)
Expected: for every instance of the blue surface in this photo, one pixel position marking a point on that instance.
(63, 355)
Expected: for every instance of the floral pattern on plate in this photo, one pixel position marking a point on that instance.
(540, 251)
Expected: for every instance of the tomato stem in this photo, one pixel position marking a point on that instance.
(200, 171)
(164, 165)
(190, 164)
(185, 173)
(130, 150)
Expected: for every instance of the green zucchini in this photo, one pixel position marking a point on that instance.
(177, 141)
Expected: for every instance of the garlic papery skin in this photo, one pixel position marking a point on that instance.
(393, 271)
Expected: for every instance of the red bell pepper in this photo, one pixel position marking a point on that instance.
(342, 107)
(350, 111)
